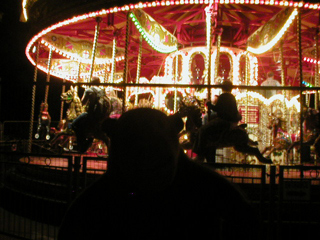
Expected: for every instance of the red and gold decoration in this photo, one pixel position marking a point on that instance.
(155, 34)
(270, 33)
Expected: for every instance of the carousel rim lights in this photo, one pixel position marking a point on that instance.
(270, 44)
(76, 58)
(126, 7)
(311, 60)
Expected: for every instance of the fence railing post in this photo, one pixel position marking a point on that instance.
(76, 174)
(272, 201)
(70, 179)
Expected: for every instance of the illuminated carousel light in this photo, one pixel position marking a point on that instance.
(278, 36)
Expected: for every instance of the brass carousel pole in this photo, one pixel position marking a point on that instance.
(94, 48)
(209, 38)
(316, 76)
(78, 77)
(285, 110)
(247, 77)
(138, 71)
(48, 77)
(175, 82)
(62, 102)
(113, 66)
(283, 83)
(301, 77)
(282, 68)
(216, 69)
(106, 75)
(34, 87)
(125, 69)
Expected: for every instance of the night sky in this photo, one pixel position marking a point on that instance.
(17, 73)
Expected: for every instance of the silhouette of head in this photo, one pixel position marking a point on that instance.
(95, 80)
(226, 86)
(144, 148)
(270, 74)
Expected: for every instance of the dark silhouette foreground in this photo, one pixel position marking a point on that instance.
(153, 191)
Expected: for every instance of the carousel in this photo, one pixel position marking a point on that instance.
(162, 53)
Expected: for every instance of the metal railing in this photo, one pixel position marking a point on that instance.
(36, 190)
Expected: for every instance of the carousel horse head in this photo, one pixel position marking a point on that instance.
(191, 108)
(276, 123)
(69, 95)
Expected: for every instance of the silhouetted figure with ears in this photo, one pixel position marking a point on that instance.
(87, 125)
(152, 190)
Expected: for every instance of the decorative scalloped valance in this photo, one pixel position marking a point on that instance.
(265, 37)
(155, 34)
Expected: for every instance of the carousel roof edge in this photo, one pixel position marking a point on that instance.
(43, 13)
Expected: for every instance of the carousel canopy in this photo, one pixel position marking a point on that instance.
(68, 28)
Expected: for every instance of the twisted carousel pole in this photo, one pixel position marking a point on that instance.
(209, 48)
(113, 66)
(34, 87)
(175, 83)
(125, 69)
(94, 47)
(316, 76)
(78, 76)
(300, 75)
(48, 76)
(138, 71)
(106, 75)
(283, 83)
(247, 78)
(216, 69)
(62, 102)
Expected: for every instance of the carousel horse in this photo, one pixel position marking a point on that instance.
(44, 121)
(75, 106)
(311, 132)
(281, 139)
(64, 137)
(217, 137)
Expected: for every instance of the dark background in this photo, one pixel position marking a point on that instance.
(17, 73)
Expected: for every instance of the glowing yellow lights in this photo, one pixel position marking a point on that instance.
(278, 36)
(269, 101)
(24, 10)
